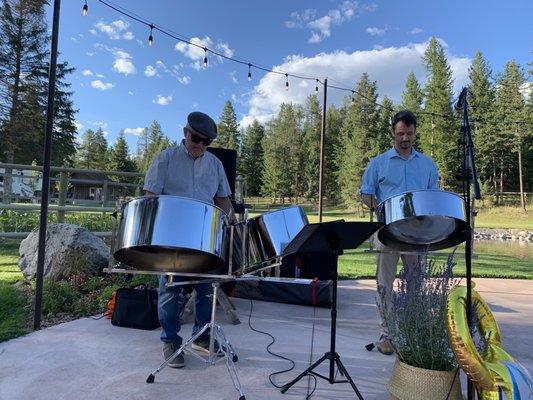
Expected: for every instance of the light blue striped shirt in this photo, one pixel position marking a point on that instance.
(389, 174)
(175, 172)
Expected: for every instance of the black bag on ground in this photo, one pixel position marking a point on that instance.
(136, 307)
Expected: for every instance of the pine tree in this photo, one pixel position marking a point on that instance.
(509, 110)
(228, 136)
(481, 104)
(151, 142)
(252, 158)
(84, 153)
(413, 96)
(311, 143)
(23, 86)
(119, 157)
(359, 133)
(99, 151)
(412, 100)
(384, 137)
(333, 151)
(282, 175)
(439, 134)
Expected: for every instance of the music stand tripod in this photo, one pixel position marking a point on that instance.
(215, 333)
(333, 237)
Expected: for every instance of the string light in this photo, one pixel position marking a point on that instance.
(316, 86)
(151, 38)
(174, 35)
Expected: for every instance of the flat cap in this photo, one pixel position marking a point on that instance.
(202, 123)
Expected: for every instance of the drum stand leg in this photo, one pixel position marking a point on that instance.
(225, 347)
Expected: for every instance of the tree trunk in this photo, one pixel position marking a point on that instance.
(501, 182)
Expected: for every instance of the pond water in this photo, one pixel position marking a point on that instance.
(514, 248)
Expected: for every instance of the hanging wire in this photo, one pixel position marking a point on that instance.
(261, 67)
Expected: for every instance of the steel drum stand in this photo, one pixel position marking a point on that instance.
(225, 348)
(331, 237)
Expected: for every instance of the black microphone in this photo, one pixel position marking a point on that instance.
(462, 98)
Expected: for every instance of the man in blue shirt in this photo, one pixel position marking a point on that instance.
(400, 169)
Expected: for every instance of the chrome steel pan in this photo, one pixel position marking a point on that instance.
(422, 220)
(172, 234)
(269, 234)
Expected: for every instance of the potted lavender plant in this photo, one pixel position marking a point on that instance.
(414, 317)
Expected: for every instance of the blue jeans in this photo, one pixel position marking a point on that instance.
(170, 304)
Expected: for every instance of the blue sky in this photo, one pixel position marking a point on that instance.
(122, 83)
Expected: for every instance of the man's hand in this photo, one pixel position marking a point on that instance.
(225, 204)
(370, 201)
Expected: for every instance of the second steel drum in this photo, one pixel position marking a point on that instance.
(422, 220)
(172, 234)
(268, 234)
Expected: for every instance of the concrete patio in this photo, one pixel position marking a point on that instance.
(92, 360)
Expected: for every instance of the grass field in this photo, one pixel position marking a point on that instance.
(503, 260)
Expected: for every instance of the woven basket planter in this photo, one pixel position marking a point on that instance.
(412, 383)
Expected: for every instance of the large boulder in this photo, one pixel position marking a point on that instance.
(69, 250)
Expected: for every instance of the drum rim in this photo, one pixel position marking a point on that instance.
(420, 191)
(190, 199)
(278, 210)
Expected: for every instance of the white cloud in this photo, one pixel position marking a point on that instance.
(233, 77)
(115, 30)
(388, 66)
(98, 84)
(86, 72)
(90, 53)
(321, 26)
(194, 52)
(197, 53)
(134, 131)
(99, 124)
(162, 100)
(123, 63)
(93, 31)
(149, 71)
(99, 75)
(374, 31)
(130, 92)
(184, 80)
(79, 125)
(416, 31)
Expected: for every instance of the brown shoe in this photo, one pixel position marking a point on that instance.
(384, 345)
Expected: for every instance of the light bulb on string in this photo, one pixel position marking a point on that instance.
(316, 87)
(85, 9)
(353, 97)
(151, 38)
(205, 57)
(286, 81)
(249, 72)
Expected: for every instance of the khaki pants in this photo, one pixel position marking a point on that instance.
(387, 262)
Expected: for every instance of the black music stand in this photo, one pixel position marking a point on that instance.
(331, 237)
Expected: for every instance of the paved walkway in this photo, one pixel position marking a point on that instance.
(92, 360)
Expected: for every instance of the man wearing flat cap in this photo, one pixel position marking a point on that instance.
(188, 170)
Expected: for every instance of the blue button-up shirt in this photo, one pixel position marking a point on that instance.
(175, 172)
(389, 174)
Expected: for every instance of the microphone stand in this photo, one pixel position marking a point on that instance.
(470, 177)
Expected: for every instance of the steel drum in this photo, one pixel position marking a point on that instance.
(172, 234)
(268, 234)
(422, 220)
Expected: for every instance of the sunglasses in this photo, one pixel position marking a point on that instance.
(197, 139)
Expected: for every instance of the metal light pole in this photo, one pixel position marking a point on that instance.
(46, 167)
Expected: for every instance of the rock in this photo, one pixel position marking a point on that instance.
(69, 250)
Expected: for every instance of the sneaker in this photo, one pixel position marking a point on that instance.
(169, 349)
(384, 345)
(202, 345)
